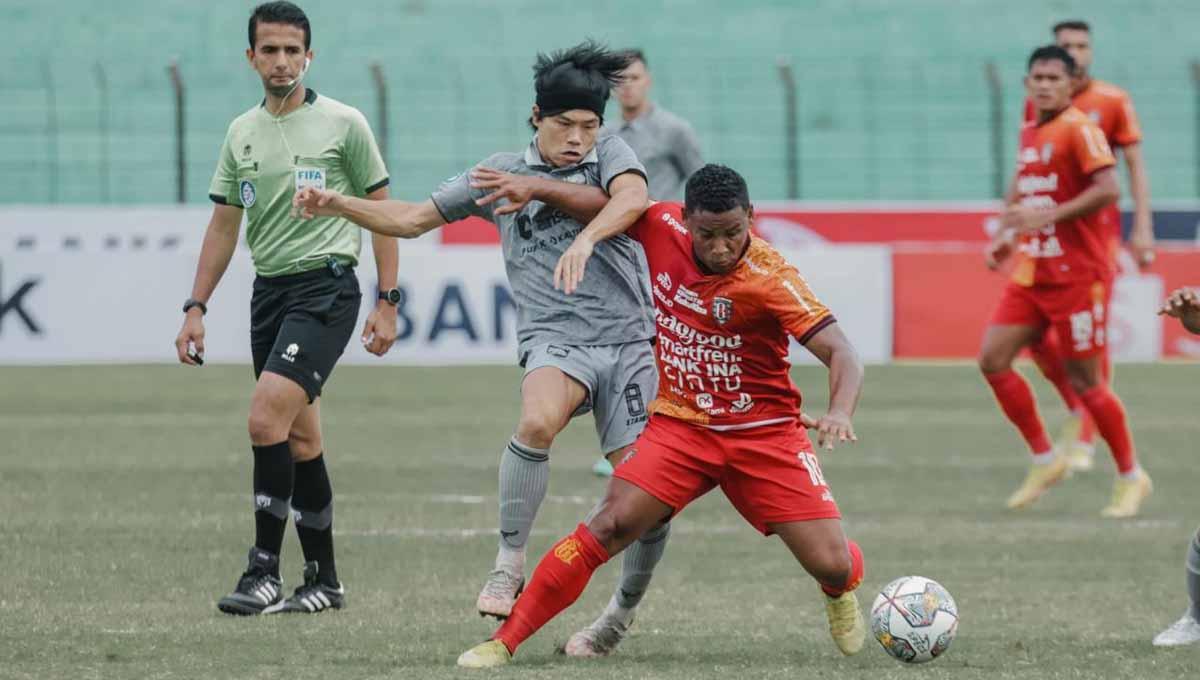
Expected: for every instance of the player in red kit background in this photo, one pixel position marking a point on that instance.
(1062, 280)
(727, 412)
(1111, 109)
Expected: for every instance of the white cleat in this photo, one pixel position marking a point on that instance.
(1185, 631)
(499, 593)
(599, 639)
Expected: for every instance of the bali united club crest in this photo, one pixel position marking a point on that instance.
(722, 309)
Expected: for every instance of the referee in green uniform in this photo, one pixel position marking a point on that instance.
(306, 297)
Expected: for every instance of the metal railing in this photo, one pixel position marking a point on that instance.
(849, 129)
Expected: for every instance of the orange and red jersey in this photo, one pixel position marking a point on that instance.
(1111, 109)
(722, 340)
(1055, 163)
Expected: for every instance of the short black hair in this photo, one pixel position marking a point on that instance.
(588, 66)
(636, 54)
(279, 13)
(716, 189)
(1052, 53)
(1071, 25)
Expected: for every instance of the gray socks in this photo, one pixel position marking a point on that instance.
(524, 475)
(1193, 575)
(638, 566)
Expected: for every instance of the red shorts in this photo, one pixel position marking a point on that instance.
(769, 473)
(1078, 314)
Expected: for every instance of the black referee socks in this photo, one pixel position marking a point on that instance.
(272, 489)
(313, 504)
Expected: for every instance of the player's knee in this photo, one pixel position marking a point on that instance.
(992, 361)
(304, 446)
(1082, 381)
(603, 525)
(265, 427)
(832, 566)
(537, 430)
(1081, 377)
(612, 529)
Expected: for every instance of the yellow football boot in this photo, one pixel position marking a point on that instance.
(1128, 495)
(1079, 455)
(485, 655)
(846, 622)
(1039, 479)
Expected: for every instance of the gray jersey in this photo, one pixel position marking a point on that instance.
(612, 304)
(666, 144)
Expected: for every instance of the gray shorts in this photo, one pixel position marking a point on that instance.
(621, 381)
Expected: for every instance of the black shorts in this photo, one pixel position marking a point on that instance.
(300, 324)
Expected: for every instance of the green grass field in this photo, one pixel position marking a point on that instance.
(125, 514)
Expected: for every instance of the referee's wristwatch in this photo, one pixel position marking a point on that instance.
(392, 297)
(193, 302)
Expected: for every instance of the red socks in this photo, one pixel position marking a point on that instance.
(857, 571)
(556, 583)
(1016, 400)
(1049, 358)
(1088, 430)
(1049, 361)
(1109, 415)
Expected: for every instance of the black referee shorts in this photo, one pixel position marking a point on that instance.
(300, 324)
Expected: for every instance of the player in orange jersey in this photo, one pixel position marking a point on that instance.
(1111, 109)
(727, 413)
(1065, 178)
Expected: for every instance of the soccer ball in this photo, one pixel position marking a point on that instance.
(915, 619)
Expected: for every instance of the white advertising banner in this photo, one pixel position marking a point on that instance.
(855, 283)
(1134, 327)
(124, 306)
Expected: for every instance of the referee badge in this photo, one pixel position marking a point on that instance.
(722, 310)
(246, 190)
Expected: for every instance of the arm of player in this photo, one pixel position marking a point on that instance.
(1141, 237)
(1184, 304)
(581, 201)
(629, 199)
(220, 240)
(831, 346)
(387, 218)
(1001, 245)
(379, 331)
(1102, 191)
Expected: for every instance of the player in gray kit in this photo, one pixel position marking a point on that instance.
(584, 333)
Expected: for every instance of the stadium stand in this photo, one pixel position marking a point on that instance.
(893, 102)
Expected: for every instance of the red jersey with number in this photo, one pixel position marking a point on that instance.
(1111, 109)
(722, 340)
(1055, 163)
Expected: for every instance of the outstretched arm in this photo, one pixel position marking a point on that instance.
(629, 200)
(388, 218)
(583, 202)
(833, 348)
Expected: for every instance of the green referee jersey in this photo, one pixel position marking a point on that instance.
(265, 160)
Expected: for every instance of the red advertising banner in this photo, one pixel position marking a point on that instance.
(1178, 267)
(804, 224)
(943, 298)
